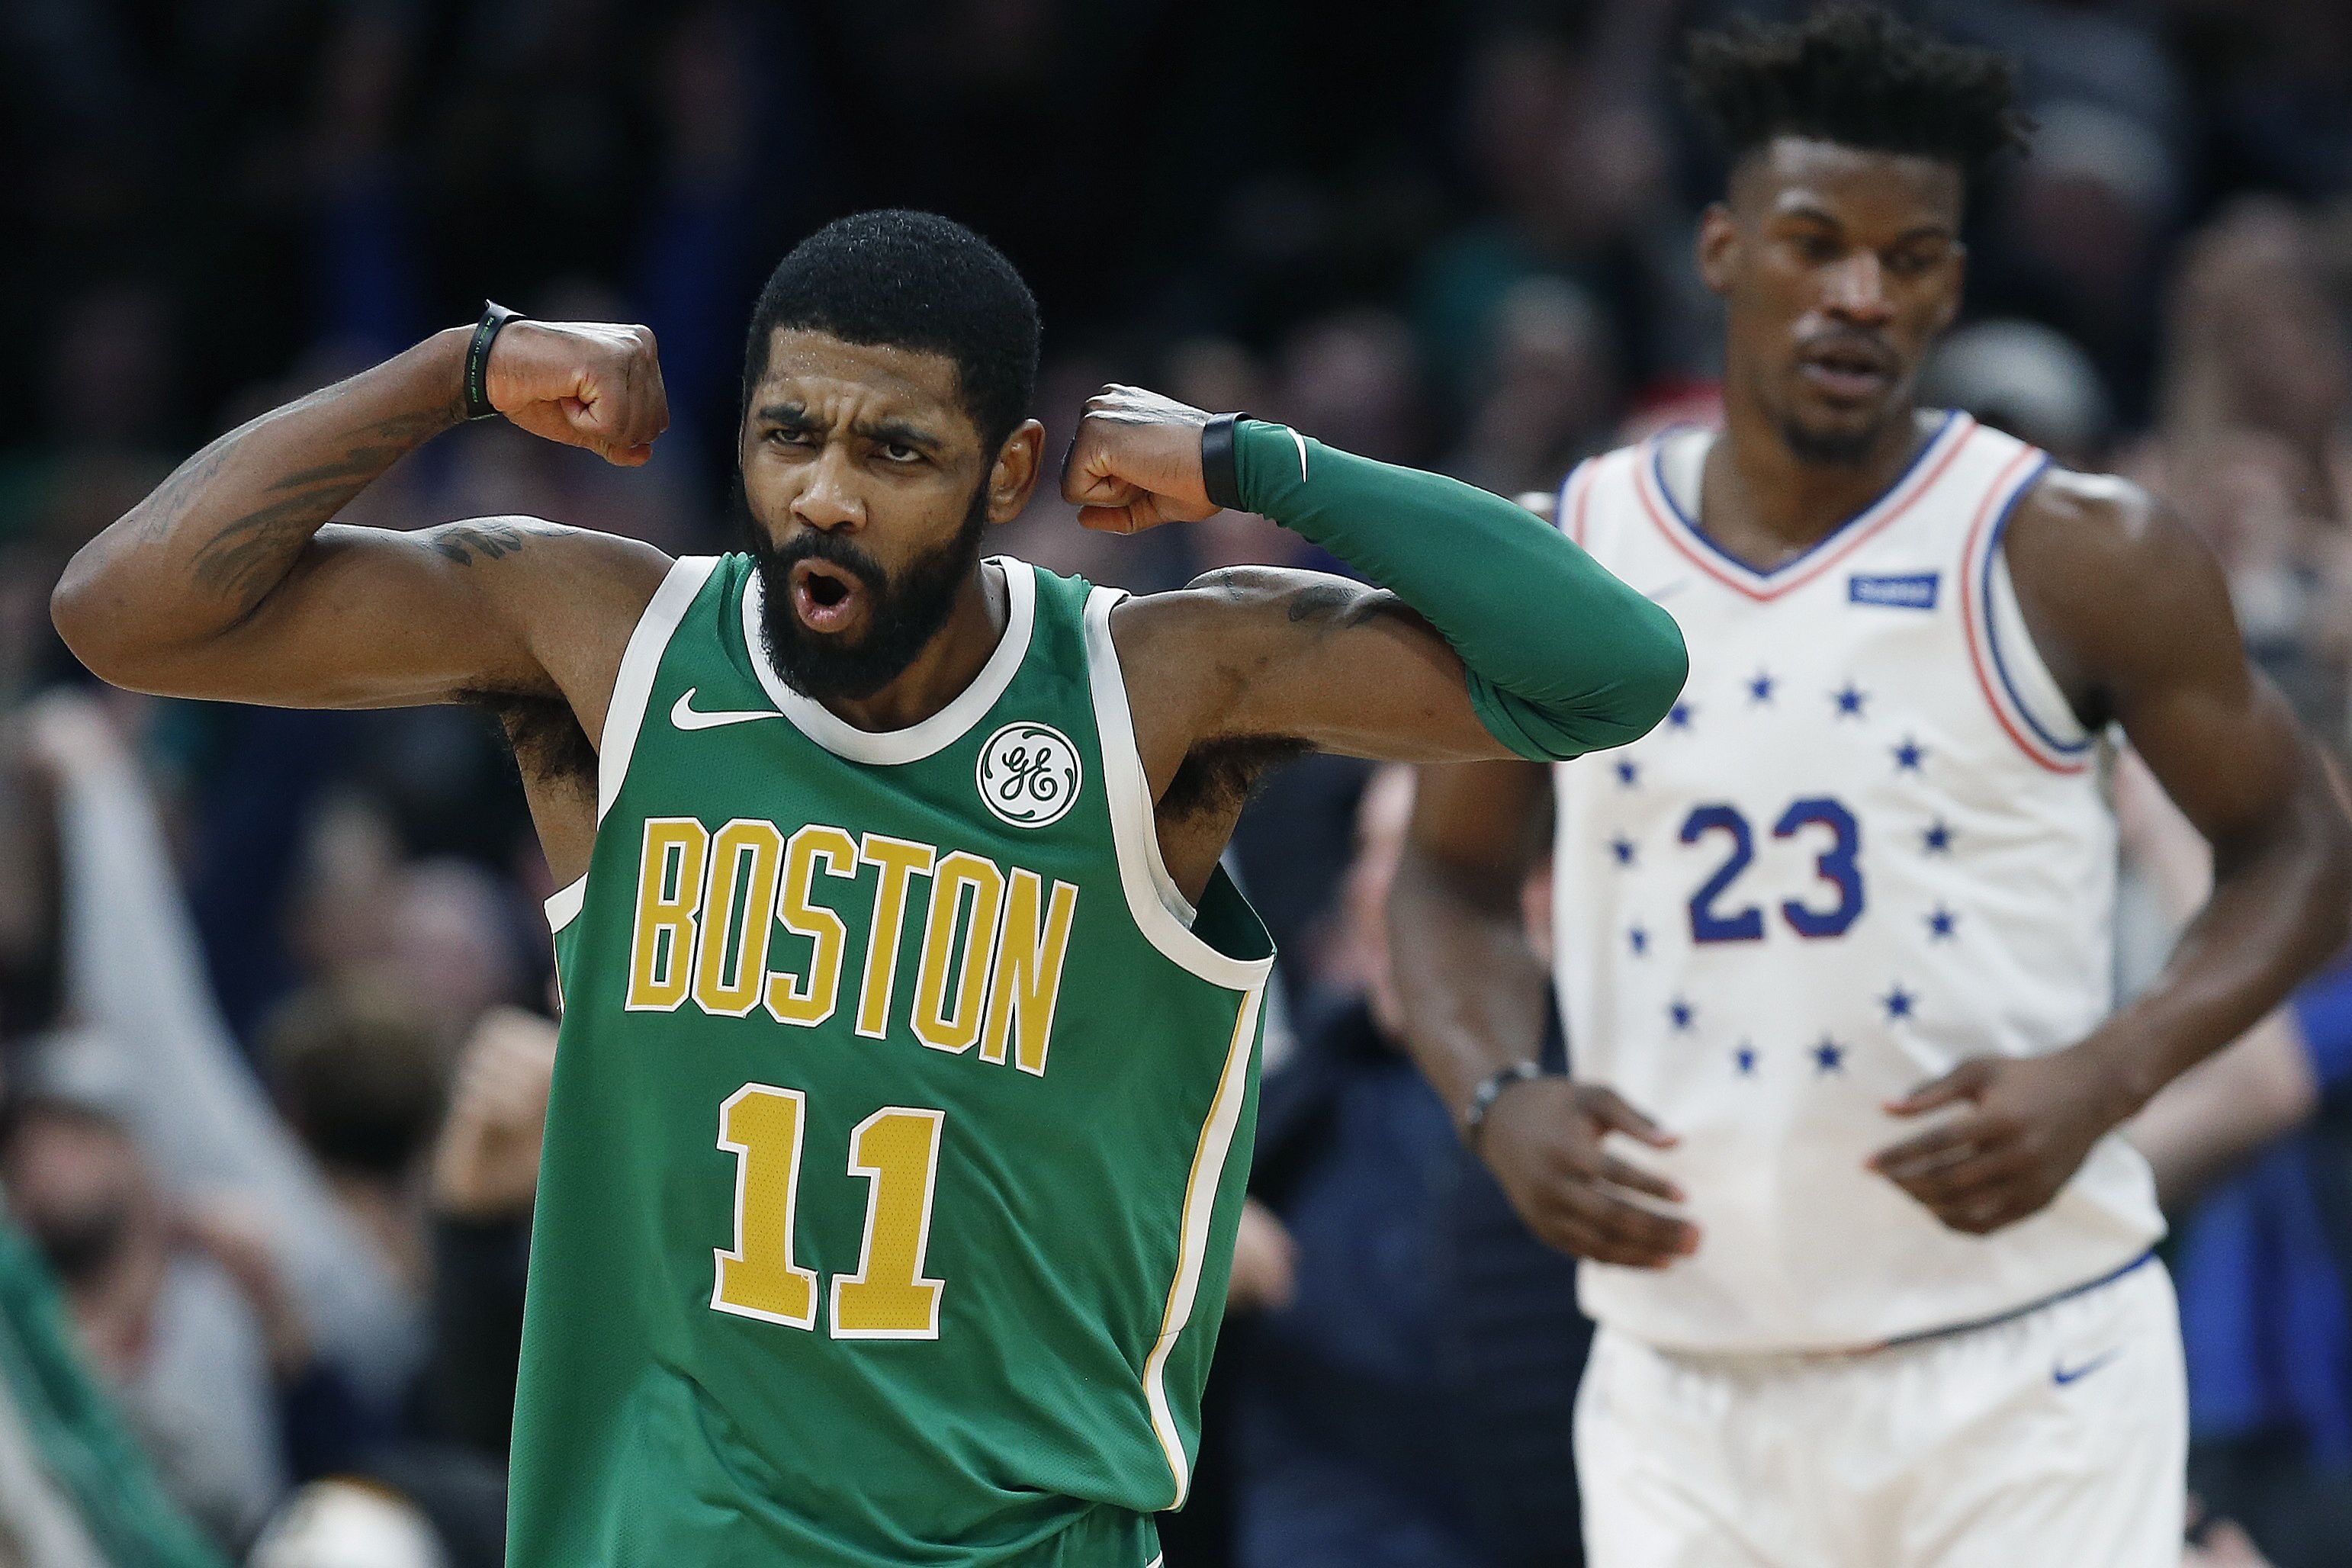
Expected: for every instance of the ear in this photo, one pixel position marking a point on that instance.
(1018, 463)
(1949, 310)
(1718, 247)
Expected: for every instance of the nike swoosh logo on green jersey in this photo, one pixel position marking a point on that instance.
(686, 716)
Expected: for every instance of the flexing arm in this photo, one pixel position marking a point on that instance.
(2132, 615)
(1490, 635)
(228, 582)
(1474, 995)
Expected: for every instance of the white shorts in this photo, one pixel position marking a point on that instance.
(2055, 1440)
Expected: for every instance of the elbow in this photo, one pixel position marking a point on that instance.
(1650, 673)
(1660, 668)
(90, 626)
(72, 612)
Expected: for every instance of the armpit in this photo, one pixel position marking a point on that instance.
(549, 745)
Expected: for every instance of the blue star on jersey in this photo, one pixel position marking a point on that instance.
(1898, 1003)
(1623, 847)
(1682, 1013)
(1628, 773)
(1829, 1057)
(1759, 687)
(1850, 700)
(1909, 754)
(1744, 1060)
(1638, 939)
(1940, 924)
(1938, 838)
(1678, 717)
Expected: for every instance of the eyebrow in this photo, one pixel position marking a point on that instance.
(881, 432)
(1805, 212)
(898, 433)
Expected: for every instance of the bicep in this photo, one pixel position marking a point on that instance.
(2216, 734)
(1343, 666)
(374, 618)
(2140, 613)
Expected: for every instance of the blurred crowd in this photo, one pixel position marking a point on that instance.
(274, 986)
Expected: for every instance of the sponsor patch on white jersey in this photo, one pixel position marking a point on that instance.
(1899, 591)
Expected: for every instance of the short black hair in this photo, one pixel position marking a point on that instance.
(1862, 77)
(910, 280)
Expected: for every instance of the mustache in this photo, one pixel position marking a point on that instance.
(815, 544)
(1853, 341)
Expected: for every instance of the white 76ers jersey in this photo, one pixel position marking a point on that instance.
(1870, 841)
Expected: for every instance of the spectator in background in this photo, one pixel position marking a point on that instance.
(1550, 396)
(484, 1174)
(1347, 1455)
(192, 1361)
(201, 1123)
(2029, 380)
(2254, 446)
(360, 1074)
(2252, 1155)
(76, 1490)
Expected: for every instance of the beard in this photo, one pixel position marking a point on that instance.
(1832, 448)
(907, 610)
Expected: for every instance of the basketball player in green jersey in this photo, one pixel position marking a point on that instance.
(907, 1063)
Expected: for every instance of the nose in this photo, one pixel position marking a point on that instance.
(1857, 290)
(829, 500)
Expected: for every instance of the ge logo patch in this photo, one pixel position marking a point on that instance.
(1029, 774)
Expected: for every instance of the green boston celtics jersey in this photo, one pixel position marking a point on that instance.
(900, 1123)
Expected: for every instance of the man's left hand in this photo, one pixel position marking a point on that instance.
(2030, 1123)
(1136, 462)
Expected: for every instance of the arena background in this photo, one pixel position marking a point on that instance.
(1452, 236)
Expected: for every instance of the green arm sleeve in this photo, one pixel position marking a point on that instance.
(1563, 658)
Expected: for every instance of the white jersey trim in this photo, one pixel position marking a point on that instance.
(933, 735)
(1158, 908)
(624, 715)
(1209, 1158)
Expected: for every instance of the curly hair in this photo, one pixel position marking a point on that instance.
(1859, 77)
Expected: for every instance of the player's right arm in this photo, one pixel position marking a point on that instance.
(230, 582)
(1475, 995)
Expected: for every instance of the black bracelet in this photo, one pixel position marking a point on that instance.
(1482, 1097)
(477, 359)
(1220, 477)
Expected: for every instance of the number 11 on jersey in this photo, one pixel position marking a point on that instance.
(897, 1150)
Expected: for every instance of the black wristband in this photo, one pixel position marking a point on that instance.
(477, 359)
(1482, 1097)
(1220, 477)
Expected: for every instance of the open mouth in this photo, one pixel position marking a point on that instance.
(1847, 373)
(827, 598)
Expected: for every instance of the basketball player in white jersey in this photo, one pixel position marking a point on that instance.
(1869, 1257)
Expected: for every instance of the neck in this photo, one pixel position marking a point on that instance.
(1771, 502)
(949, 663)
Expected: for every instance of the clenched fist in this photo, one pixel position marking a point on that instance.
(596, 384)
(1135, 463)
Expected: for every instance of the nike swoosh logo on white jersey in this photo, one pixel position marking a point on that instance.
(686, 716)
(2061, 1376)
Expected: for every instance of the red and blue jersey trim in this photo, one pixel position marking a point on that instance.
(1822, 557)
(2058, 754)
